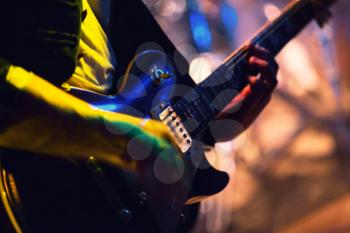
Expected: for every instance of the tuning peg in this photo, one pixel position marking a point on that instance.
(323, 17)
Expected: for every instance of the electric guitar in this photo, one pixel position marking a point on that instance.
(56, 195)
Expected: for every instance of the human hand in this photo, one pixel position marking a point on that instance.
(250, 102)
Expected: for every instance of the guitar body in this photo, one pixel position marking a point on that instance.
(61, 196)
(48, 194)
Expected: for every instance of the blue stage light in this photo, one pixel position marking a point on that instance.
(229, 19)
(200, 31)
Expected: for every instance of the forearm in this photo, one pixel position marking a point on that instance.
(42, 118)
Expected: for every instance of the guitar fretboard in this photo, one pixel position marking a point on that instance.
(208, 98)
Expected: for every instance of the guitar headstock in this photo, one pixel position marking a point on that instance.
(321, 8)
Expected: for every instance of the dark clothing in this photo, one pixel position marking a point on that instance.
(42, 36)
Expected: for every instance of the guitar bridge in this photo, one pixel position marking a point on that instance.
(177, 130)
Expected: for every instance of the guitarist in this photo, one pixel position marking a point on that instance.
(86, 43)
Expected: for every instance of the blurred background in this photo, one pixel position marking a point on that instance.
(290, 172)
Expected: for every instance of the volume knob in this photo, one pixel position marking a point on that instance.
(158, 75)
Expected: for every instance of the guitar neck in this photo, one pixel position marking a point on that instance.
(276, 34)
(207, 99)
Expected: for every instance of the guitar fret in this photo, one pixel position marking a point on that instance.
(236, 68)
(199, 112)
(204, 109)
(212, 92)
(206, 96)
(207, 101)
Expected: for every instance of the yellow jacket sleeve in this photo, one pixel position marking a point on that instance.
(43, 118)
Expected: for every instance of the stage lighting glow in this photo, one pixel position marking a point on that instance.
(200, 68)
(229, 18)
(200, 31)
(166, 8)
(271, 11)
